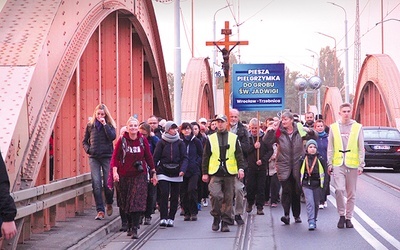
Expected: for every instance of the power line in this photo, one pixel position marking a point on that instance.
(186, 32)
(238, 24)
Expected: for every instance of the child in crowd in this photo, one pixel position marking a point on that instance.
(322, 141)
(312, 178)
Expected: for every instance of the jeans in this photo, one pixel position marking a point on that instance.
(97, 165)
(312, 201)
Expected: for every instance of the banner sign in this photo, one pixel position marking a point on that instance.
(258, 87)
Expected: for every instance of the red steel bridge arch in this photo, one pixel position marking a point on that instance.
(58, 60)
(330, 107)
(197, 92)
(377, 97)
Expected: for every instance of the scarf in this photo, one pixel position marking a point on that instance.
(322, 134)
(170, 138)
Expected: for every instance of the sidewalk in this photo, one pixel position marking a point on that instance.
(79, 232)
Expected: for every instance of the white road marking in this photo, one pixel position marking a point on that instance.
(392, 240)
(375, 243)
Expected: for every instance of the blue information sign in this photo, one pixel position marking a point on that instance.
(258, 87)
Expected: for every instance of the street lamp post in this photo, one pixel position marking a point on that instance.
(214, 78)
(346, 84)
(334, 60)
(177, 66)
(302, 84)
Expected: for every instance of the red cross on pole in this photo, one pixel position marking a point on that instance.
(225, 55)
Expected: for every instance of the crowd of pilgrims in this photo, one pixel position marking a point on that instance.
(179, 148)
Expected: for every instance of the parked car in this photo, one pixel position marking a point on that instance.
(382, 147)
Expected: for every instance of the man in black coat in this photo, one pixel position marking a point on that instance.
(241, 131)
(154, 126)
(7, 205)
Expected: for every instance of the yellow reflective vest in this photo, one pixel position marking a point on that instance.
(231, 163)
(351, 157)
(300, 128)
(320, 170)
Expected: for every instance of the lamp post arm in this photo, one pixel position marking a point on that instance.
(337, 5)
(346, 84)
(390, 19)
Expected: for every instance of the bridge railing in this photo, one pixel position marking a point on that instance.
(36, 199)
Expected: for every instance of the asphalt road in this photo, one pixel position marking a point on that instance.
(376, 222)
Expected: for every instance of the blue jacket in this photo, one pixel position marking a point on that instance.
(322, 142)
(194, 150)
(153, 140)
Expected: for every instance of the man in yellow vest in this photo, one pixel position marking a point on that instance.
(222, 162)
(345, 162)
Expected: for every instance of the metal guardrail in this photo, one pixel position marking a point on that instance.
(45, 196)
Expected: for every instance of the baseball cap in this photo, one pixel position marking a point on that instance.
(221, 117)
(202, 120)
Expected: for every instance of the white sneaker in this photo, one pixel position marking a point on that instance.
(170, 223)
(205, 203)
(163, 223)
(325, 204)
(321, 206)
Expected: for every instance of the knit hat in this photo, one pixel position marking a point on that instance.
(311, 141)
(169, 125)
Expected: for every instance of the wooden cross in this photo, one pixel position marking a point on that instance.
(225, 55)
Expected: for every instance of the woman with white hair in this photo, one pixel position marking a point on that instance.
(130, 160)
(289, 138)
